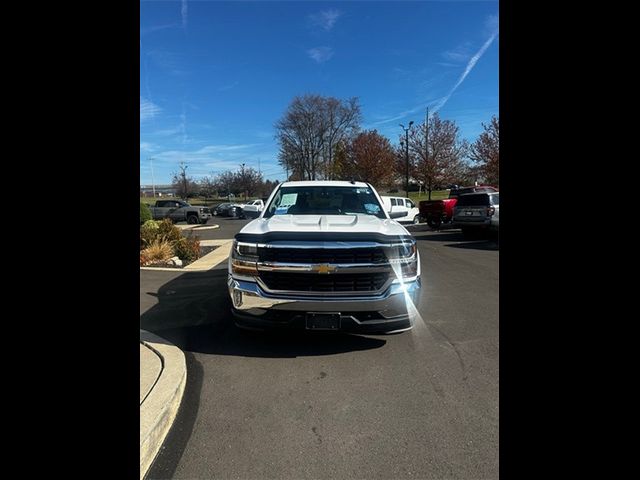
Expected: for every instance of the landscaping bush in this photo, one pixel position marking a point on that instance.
(187, 249)
(145, 213)
(159, 251)
(168, 231)
(160, 240)
(148, 233)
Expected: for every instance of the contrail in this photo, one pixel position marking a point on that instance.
(183, 11)
(470, 66)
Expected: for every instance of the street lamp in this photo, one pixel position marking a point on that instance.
(406, 131)
(243, 181)
(153, 180)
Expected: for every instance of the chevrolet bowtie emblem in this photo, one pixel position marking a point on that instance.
(324, 268)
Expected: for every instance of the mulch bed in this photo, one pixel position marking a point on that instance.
(203, 251)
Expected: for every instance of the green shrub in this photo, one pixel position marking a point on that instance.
(149, 232)
(151, 224)
(187, 249)
(145, 213)
(168, 231)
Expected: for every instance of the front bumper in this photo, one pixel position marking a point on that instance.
(390, 311)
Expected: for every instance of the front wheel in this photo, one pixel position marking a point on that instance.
(416, 219)
(192, 219)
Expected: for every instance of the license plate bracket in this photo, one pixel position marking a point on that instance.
(323, 321)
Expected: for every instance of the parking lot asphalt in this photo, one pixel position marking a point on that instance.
(421, 404)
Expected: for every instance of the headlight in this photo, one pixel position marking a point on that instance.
(244, 257)
(402, 252)
(404, 259)
(407, 250)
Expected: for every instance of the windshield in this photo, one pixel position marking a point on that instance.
(473, 199)
(326, 200)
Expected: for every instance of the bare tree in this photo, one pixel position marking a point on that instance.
(436, 152)
(207, 187)
(185, 186)
(486, 152)
(226, 183)
(310, 129)
(246, 180)
(249, 180)
(343, 122)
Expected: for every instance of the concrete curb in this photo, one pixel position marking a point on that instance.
(212, 259)
(160, 407)
(198, 227)
(205, 263)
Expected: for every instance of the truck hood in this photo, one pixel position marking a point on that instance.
(325, 224)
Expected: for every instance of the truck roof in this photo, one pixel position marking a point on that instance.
(324, 183)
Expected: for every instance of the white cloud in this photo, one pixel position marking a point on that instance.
(326, 18)
(461, 53)
(320, 54)
(146, 147)
(492, 24)
(156, 28)
(205, 154)
(229, 86)
(148, 109)
(167, 132)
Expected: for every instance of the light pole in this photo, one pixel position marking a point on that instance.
(406, 131)
(183, 173)
(153, 181)
(243, 181)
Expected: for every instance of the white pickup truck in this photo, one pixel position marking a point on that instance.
(252, 209)
(325, 255)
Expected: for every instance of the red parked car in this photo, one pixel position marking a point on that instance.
(437, 212)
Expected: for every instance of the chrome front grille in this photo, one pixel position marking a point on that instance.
(317, 282)
(322, 255)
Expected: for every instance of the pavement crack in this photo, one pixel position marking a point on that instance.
(455, 349)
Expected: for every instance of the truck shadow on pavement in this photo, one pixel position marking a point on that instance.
(481, 242)
(193, 313)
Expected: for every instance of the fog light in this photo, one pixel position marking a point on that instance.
(237, 298)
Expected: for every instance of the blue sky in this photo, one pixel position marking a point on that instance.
(216, 75)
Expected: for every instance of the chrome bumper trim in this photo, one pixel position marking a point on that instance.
(250, 298)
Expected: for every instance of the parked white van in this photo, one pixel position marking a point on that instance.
(402, 204)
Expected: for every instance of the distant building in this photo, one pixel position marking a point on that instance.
(161, 191)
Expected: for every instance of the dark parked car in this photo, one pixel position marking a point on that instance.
(477, 212)
(227, 210)
(436, 212)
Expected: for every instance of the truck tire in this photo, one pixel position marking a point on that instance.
(192, 219)
(469, 232)
(416, 219)
(434, 222)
